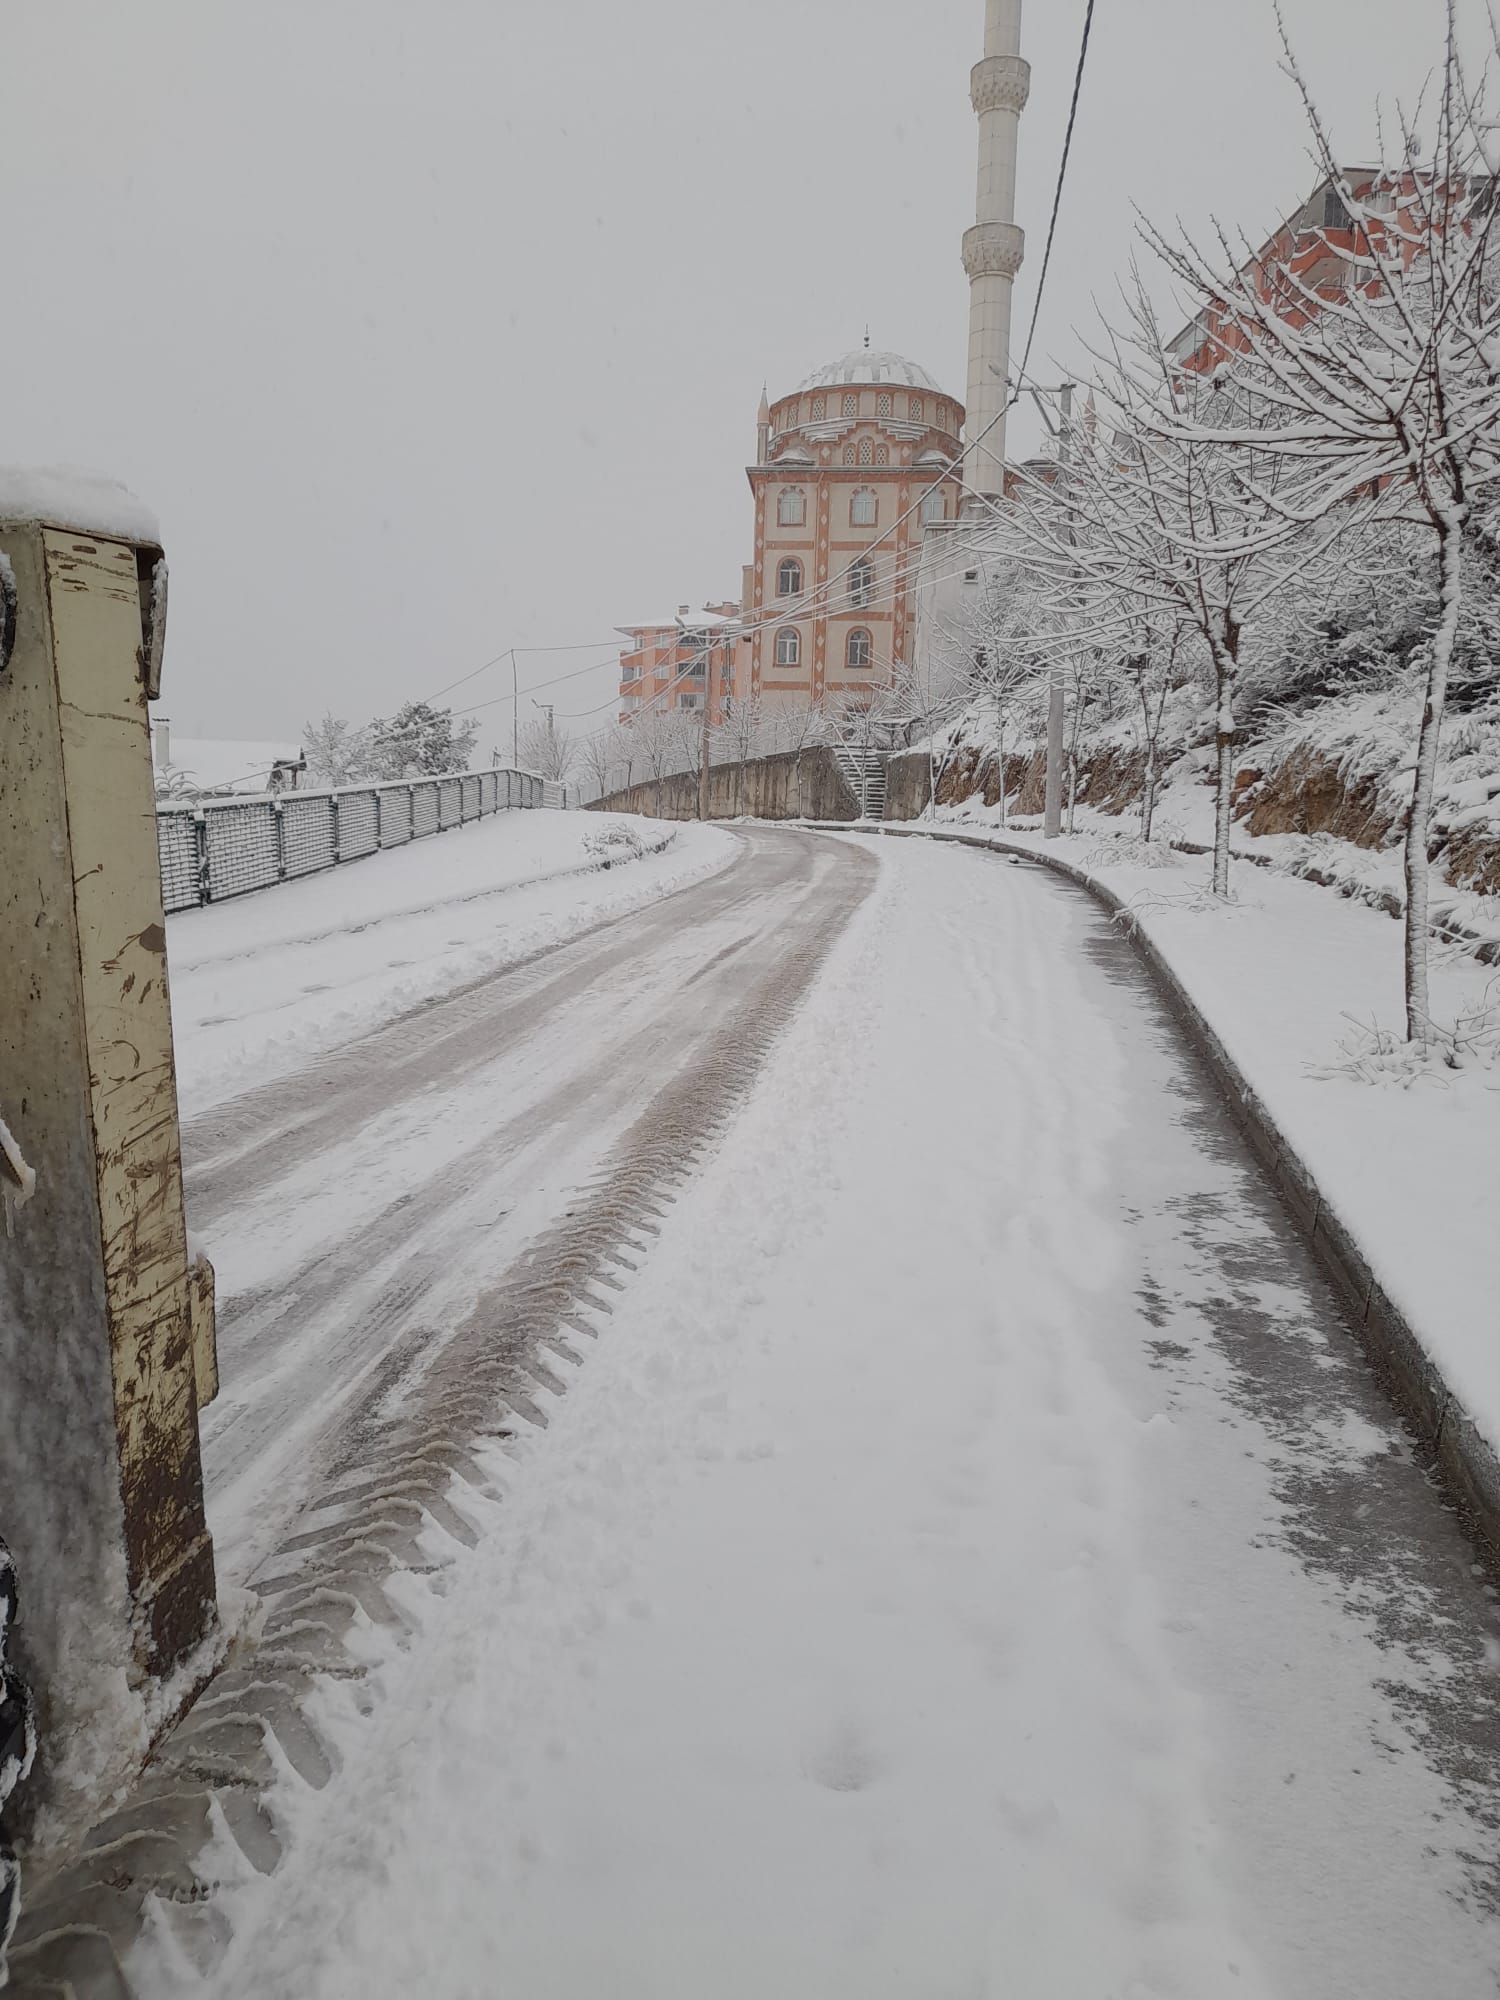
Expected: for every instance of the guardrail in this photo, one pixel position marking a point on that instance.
(218, 848)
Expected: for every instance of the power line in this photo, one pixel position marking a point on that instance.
(1062, 174)
(584, 646)
(539, 687)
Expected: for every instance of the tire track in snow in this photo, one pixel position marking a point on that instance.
(400, 1459)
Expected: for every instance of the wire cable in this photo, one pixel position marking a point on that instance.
(1062, 175)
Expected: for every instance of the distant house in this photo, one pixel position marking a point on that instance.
(1323, 250)
(666, 662)
(215, 767)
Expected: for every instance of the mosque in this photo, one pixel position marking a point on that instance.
(848, 469)
(865, 476)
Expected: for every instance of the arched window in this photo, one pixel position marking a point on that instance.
(934, 505)
(848, 454)
(867, 451)
(788, 646)
(851, 406)
(914, 408)
(861, 584)
(882, 454)
(857, 652)
(789, 578)
(789, 417)
(864, 508)
(819, 409)
(883, 404)
(791, 507)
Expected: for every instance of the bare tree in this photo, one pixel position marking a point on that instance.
(657, 740)
(740, 737)
(597, 756)
(1390, 390)
(337, 753)
(626, 753)
(547, 749)
(1152, 675)
(1173, 505)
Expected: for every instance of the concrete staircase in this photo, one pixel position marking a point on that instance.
(864, 773)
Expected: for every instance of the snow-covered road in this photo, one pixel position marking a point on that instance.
(974, 1561)
(358, 1207)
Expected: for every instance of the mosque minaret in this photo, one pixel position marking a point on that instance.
(994, 247)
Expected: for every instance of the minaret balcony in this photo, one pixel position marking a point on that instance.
(994, 250)
(1000, 83)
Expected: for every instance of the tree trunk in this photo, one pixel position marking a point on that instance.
(1148, 798)
(1001, 720)
(1225, 666)
(1073, 757)
(1450, 579)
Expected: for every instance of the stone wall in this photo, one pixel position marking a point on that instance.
(797, 784)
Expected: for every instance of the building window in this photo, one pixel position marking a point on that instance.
(819, 409)
(851, 406)
(857, 652)
(848, 454)
(631, 670)
(788, 647)
(789, 578)
(791, 507)
(862, 584)
(883, 404)
(690, 701)
(882, 454)
(863, 507)
(867, 451)
(789, 417)
(934, 505)
(1335, 214)
(914, 408)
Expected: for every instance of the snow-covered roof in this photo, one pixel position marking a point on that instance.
(867, 364)
(695, 621)
(65, 496)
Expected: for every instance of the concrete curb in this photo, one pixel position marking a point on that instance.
(1466, 1461)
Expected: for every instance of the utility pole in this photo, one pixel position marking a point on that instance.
(708, 682)
(1052, 818)
(546, 708)
(515, 715)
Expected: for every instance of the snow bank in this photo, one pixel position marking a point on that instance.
(66, 496)
(262, 983)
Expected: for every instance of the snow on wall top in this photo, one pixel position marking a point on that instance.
(66, 496)
(864, 364)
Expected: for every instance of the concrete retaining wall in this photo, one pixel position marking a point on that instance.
(796, 784)
(1468, 1464)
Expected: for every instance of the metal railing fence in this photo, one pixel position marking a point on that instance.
(218, 848)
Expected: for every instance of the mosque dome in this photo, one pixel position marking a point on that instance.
(866, 364)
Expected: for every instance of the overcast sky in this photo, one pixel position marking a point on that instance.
(429, 330)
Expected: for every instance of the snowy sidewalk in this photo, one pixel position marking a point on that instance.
(1285, 976)
(973, 1562)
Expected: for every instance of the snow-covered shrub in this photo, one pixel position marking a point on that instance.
(614, 843)
(1370, 1053)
